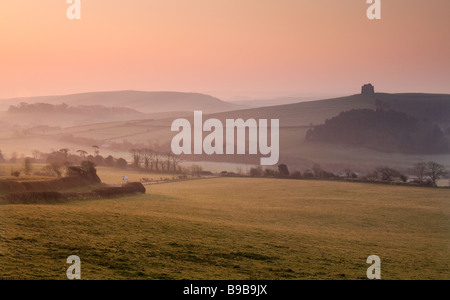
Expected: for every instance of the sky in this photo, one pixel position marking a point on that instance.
(232, 49)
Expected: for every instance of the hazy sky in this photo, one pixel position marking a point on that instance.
(227, 48)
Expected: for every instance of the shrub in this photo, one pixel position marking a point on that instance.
(129, 188)
(297, 175)
(256, 172)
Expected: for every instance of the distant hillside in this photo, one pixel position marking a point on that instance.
(24, 108)
(128, 131)
(434, 107)
(382, 130)
(146, 102)
(255, 103)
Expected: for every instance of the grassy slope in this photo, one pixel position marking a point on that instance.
(234, 229)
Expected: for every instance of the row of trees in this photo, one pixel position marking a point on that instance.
(282, 171)
(62, 158)
(424, 174)
(59, 161)
(142, 159)
(428, 172)
(155, 161)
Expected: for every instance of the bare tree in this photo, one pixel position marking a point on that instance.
(385, 173)
(420, 170)
(137, 157)
(373, 176)
(147, 157)
(156, 161)
(196, 170)
(318, 171)
(175, 161)
(36, 154)
(168, 157)
(435, 172)
(348, 173)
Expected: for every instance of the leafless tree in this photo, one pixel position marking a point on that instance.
(348, 173)
(373, 176)
(36, 154)
(167, 156)
(147, 156)
(196, 170)
(420, 170)
(137, 157)
(435, 172)
(318, 171)
(176, 159)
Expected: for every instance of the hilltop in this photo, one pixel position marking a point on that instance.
(146, 102)
(434, 107)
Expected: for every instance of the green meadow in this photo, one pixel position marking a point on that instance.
(234, 228)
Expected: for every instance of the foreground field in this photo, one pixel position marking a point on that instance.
(230, 228)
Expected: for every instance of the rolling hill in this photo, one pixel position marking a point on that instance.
(435, 107)
(146, 102)
(295, 120)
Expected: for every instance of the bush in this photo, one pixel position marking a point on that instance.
(121, 163)
(283, 170)
(129, 188)
(297, 175)
(256, 172)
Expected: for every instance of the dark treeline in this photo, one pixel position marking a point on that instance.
(382, 130)
(59, 161)
(422, 174)
(64, 108)
(143, 159)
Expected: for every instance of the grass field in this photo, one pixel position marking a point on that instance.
(229, 228)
